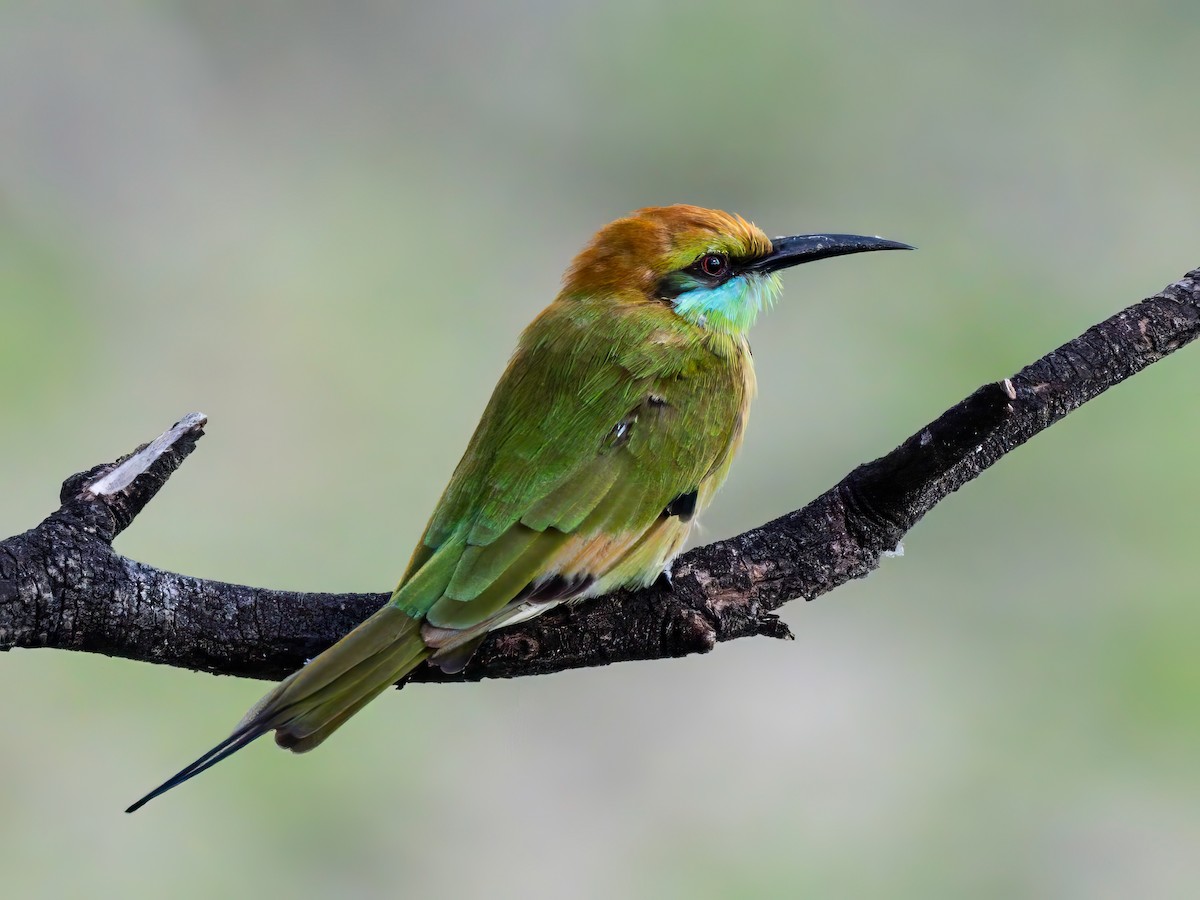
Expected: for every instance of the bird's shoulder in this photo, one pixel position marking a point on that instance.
(643, 338)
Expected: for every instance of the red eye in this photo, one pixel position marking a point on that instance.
(714, 265)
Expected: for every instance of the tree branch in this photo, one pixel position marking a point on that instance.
(63, 586)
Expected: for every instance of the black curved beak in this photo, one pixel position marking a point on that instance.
(802, 248)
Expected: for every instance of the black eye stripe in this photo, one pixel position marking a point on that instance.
(696, 275)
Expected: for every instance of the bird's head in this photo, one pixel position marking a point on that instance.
(715, 269)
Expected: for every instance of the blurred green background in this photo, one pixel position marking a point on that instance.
(324, 226)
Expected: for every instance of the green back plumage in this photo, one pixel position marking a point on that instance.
(608, 411)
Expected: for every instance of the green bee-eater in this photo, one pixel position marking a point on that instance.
(610, 430)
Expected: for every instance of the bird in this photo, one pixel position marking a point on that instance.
(609, 432)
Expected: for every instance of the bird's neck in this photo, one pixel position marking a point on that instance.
(730, 308)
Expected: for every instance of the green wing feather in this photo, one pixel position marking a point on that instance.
(605, 415)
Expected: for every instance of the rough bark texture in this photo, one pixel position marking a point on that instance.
(62, 586)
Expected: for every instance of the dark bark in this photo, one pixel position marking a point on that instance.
(62, 586)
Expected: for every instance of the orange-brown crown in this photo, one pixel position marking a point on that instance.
(632, 254)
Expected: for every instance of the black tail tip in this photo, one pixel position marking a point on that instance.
(235, 742)
(162, 788)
